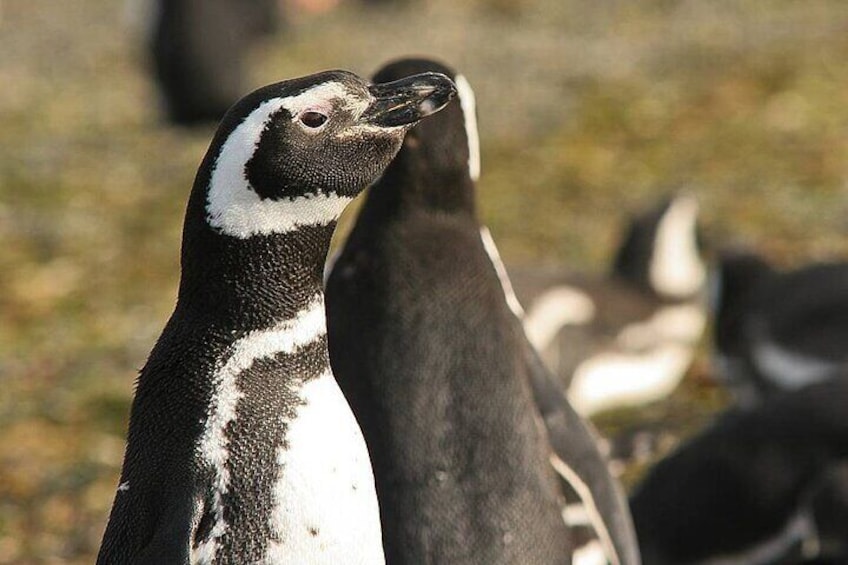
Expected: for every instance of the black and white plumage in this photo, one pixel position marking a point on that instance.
(441, 377)
(241, 447)
(778, 330)
(762, 486)
(627, 338)
(198, 51)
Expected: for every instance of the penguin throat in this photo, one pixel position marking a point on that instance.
(412, 185)
(451, 193)
(255, 281)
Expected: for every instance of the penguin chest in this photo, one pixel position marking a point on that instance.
(287, 473)
(325, 503)
(304, 494)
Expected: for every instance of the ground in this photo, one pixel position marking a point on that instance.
(588, 110)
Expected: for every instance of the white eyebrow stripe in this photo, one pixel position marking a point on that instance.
(319, 98)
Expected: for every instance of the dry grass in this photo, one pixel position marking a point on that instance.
(588, 109)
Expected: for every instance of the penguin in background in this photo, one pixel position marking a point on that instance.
(628, 338)
(469, 447)
(241, 447)
(778, 330)
(767, 482)
(198, 51)
(768, 485)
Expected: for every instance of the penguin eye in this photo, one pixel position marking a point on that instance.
(313, 119)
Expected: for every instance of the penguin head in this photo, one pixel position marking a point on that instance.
(734, 293)
(447, 144)
(662, 251)
(296, 152)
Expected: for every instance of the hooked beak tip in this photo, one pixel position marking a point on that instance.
(410, 99)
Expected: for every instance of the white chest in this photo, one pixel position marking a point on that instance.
(325, 504)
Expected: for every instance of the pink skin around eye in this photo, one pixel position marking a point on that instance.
(315, 115)
(317, 106)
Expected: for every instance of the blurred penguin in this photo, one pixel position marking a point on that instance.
(762, 486)
(198, 50)
(628, 338)
(778, 330)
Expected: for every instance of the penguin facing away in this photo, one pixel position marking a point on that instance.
(241, 447)
(439, 373)
(627, 338)
(778, 330)
(761, 486)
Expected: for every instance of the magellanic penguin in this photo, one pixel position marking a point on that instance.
(197, 51)
(778, 330)
(627, 338)
(241, 446)
(442, 379)
(762, 486)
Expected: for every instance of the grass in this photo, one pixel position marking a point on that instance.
(588, 110)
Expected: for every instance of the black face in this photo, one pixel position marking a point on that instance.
(320, 150)
(332, 132)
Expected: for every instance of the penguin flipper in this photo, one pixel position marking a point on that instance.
(169, 542)
(576, 459)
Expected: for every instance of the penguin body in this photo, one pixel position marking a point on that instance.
(629, 338)
(779, 330)
(765, 485)
(436, 366)
(241, 448)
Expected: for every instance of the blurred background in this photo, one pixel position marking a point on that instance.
(588, 111)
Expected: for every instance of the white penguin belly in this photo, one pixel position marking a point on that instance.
(325, 503)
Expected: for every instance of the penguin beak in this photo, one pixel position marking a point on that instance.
(405, 101)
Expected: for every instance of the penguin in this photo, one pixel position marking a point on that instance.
(241, 447)
(628, 338)
(827, 503)
(765, 485)
(468, 446)
(197, 51)
(733, 294)
(778, 330)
